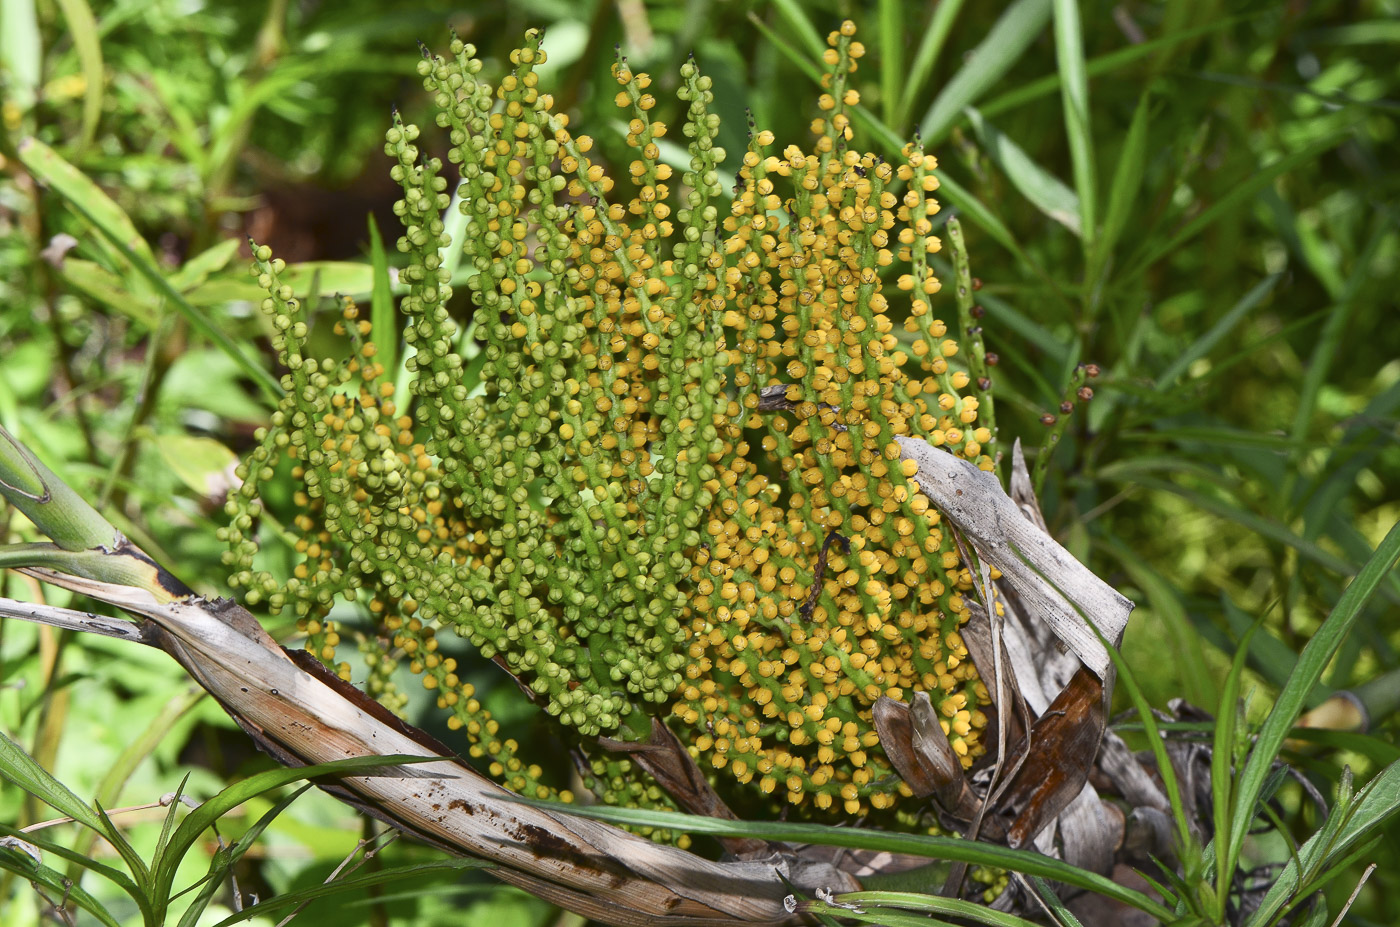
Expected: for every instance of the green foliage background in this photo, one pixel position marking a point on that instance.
(1200, 198)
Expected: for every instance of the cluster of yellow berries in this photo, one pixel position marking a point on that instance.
(793, 637)
(678, 490)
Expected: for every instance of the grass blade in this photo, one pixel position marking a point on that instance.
(1123, 193)
(225, 859)
(87, 200)
(83, 28)
(384, 330)
(340, 886)
(1168, 608)
(1258, 524)
(1043, 189)
(1062, 914)
(21, 51)
(1011, 35)
(942, 848)
(79, 860)
(788, 50)
(167, 858)
(931, 43)
(20, 769)
(1369, 809)
(1203, 345)
(1222, 760)
(1313, 660)
(1074, 97)
(1241, 192)
(209, 261)
(1170, 784)
(892, 28)
(796, 17)
(124, 849)
(50, 169)
(978, 213)
(1104, 64)
(886, 902)
(60, 889)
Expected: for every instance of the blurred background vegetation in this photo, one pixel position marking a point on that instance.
(1215, 227)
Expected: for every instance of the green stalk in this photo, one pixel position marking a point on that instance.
(970, 334)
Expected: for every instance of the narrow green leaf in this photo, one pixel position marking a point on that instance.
(98, 283)
(978, 213)
(943, 848)
(1043, 189)
(384, 328)
(1222, 761)
(209, 261)
(798, 21)
(201, 463)
(1217, 332)
(134, 863)
(1002, 314)
(344, 886)
(1215, 436)
(1058, 910)
(1104, 64)
(172, 813)
(167, 858)
(1357, 448)
(348, 278)
(928, 904)
(81, 860)
(788, 50)
(84, 198)
(1326, 348)
(931, 42)
(1270, 657)
(1370, 32)
(1369, 746)
(892, 26)
(891, 916)
(57, 887)
(1247, 188)
(1371, 807)
(1313, 660)
(1074, 99)
(1021, 23)
(1165, 769)
(83, 29)
(1123, 192)
(22, 770)
(225, 859)
(87, 198)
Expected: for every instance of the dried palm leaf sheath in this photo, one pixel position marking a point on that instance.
(1056, 587)
(1055, 669)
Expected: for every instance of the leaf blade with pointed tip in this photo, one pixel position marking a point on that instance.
(1044, 190)
(1074, 97)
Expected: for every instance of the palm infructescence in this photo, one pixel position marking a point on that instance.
(677, 489)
